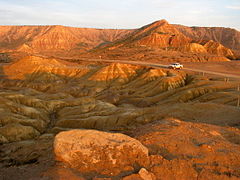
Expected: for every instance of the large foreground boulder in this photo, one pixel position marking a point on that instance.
(91, 151)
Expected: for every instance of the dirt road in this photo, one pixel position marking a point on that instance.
(193, 66)
(186, 68)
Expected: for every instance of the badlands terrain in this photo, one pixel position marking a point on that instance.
(159, 40)
(101, 104)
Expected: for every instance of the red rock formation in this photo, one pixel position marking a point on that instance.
(164, 36)
(25, 48)
(194, 48)
(32, 65)
(115, 71)
(218, 49)
(56, 38)
(70, 41)
(226, 36)
(159, 34)
(42, 38)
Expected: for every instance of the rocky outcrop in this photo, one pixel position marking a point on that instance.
(25, 48)
(161, 41)
(55, 38)
(100, 152)
(176, 150)
(218, 49)
(61, 41)
(152, 74)
(121, 72)
(37, 68)
(192, 151)
(159, 34)
(230, 38)
(143, 174)
(193, 48)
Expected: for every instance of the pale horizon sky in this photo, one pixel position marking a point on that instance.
(120, 14)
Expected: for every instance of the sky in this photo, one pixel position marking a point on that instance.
(120, 14)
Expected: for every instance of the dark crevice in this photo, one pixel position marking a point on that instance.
(52, 121)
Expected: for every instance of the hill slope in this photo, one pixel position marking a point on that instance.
(43, 38)
(157, 38)
(226, 36)
(163, 39)
(159, 34)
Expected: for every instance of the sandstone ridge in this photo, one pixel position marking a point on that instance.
(163, 39)
(157, 39)
(57, 38)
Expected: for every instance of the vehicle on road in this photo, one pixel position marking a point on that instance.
(175, 66)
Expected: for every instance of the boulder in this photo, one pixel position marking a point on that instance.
(91, 151)
(145, 175)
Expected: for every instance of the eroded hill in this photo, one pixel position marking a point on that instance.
(159, 40)
(226, 36)
(35, 39)
(162, 41)
(41, 97)
(37, 92)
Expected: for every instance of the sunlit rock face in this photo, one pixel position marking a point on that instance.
(228, 37)
(34, 68)
(32, 39)
(194, 48)
(159, 34)
(169, 140)
(164, 42)
(159, 40)
(115, 71)
(100, 152)
(218, 49)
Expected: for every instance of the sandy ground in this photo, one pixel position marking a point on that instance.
(231, 67)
